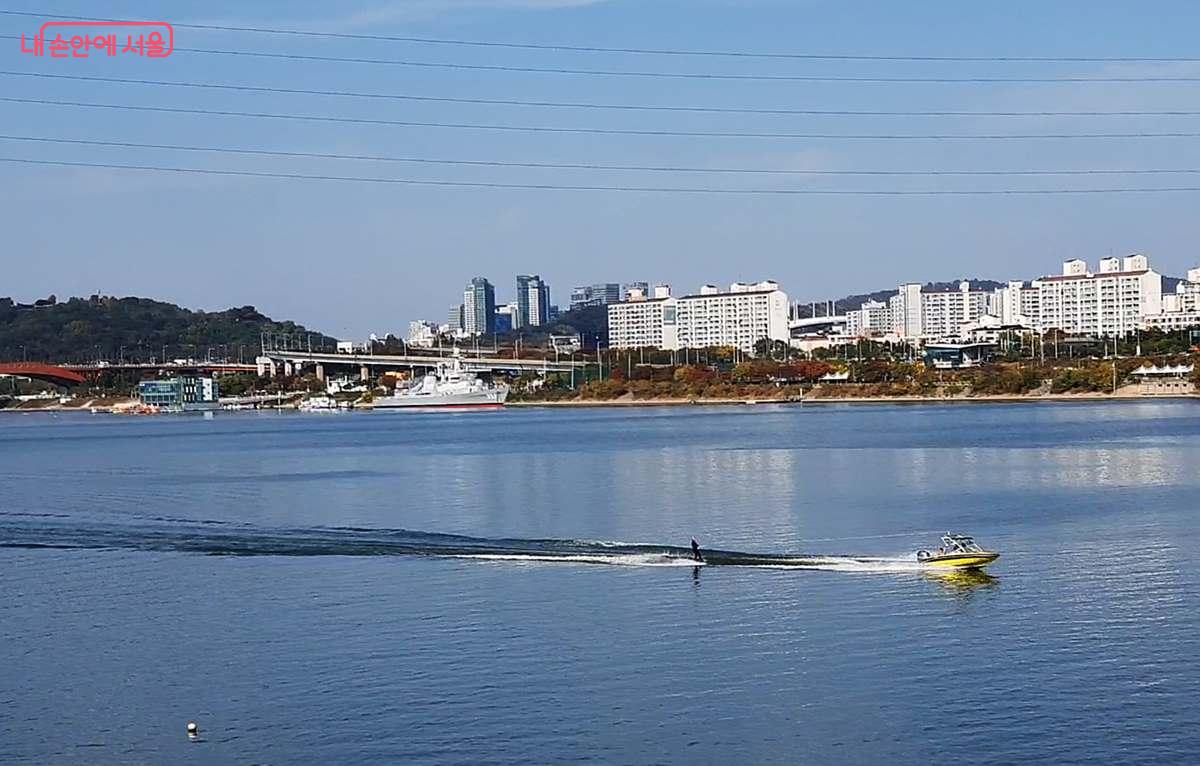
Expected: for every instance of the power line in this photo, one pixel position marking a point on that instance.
(561, 47)
(712, 76)
(574, 187)
(590, 105)
(593, 166)
(608, 131)
(695, 75)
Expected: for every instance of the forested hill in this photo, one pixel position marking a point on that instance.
(84, 329)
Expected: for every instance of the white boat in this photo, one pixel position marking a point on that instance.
(318, 404)
(450, 386)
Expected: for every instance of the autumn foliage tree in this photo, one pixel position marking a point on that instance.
(693, 374)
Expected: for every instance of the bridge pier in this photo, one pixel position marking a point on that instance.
(321, 372)
(364, 373)
(289, 369)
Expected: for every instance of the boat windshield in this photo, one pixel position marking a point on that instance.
(960, 543)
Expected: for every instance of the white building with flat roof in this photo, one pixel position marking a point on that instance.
(871, 319)
(422, 333)
(1180, 309)
(642, 323)
(741, 317)
(944, 311)
(1017, 303)
(916, 313)
(905, 306)
(1111, 302)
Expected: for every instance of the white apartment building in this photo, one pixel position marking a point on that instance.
(422, 333)
(1110, 303)
(1180, 309)
(1126, 293)
(944, 311)
(906, 311)
(913, 313)
(642, 323)
(1016, 304)
(741, 317)
(873, 318)
(1169, 321)
(1186, 296)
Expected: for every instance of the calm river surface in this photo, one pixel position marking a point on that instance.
(508, 587)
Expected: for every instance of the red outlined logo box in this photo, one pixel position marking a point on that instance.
(158, 42)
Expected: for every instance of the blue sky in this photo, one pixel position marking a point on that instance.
(356, 258)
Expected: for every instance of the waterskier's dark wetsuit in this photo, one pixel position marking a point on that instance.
(696, 550)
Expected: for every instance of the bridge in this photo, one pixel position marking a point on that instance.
(46, 373)
(218, 368)
(295, 361)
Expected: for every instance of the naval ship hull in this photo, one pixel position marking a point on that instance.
(473, 400)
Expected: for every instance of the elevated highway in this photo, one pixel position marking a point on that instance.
(293, 361)
(219, 368)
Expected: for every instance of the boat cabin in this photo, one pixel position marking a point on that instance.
(960, 544)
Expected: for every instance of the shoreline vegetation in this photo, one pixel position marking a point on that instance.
(762, 381)
(982, 399)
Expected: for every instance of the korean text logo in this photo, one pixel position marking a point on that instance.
(81, 39)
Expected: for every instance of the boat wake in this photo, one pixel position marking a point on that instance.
(216, 538)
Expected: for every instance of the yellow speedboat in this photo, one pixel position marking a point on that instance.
(957, 552)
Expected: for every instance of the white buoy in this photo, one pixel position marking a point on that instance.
(193, 730)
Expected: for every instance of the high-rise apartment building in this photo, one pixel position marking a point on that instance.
(479, 307)
(599, 294)
(741, 317)
(533, 302)
(906, 311)
(943, 312)
(454, 318)
(1111, 302)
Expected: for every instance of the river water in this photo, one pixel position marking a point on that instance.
(512, 587)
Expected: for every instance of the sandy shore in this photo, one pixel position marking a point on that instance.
(103, 404)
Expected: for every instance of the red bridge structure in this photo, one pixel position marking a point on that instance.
(44, 372)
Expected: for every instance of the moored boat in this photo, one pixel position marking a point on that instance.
(450, 386)
(318, 404)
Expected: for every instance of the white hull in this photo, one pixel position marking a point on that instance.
(489, 398)
(451, 386)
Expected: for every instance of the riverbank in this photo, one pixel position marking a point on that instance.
(106, 405)
(980, 399)
(668, 402)
(83, 405)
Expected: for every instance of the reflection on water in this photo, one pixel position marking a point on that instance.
(962, 580)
